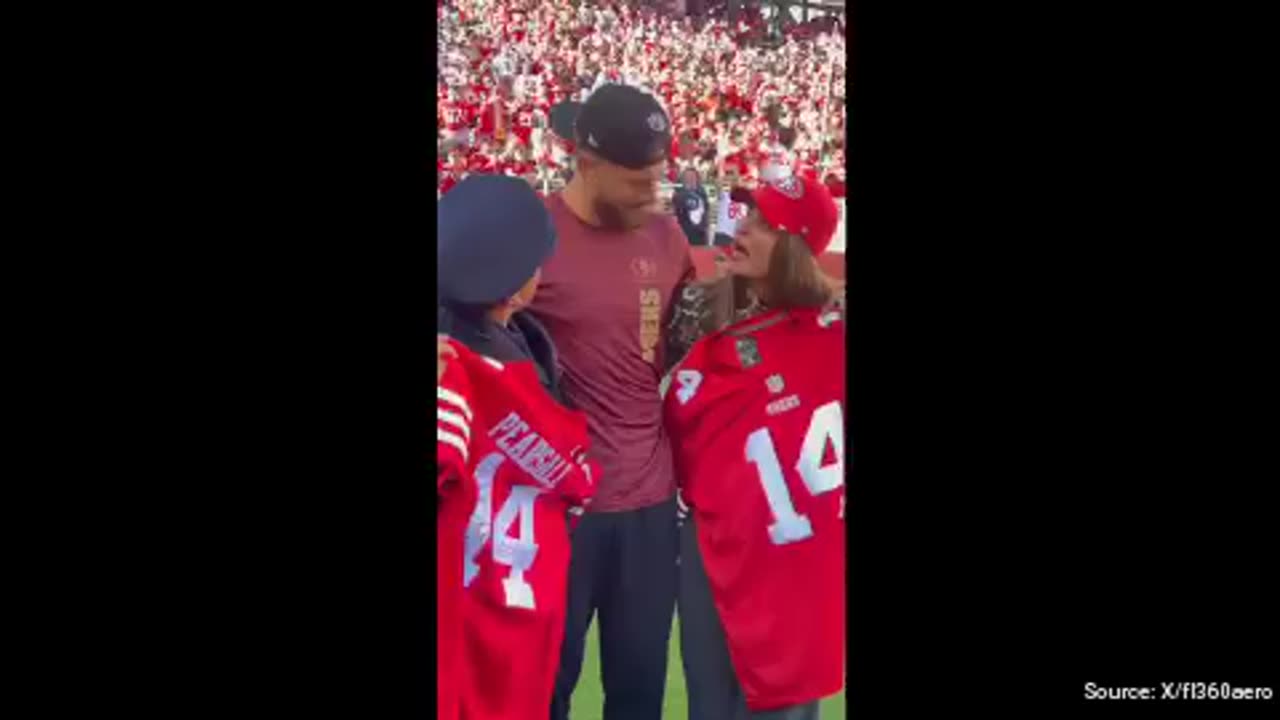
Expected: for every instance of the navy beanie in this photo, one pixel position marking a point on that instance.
(493, 232)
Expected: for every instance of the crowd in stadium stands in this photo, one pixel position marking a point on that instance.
(741, 101)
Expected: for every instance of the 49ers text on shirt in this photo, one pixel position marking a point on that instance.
(650, 323)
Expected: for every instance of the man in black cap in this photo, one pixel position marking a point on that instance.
(494, 235)
(605, 296)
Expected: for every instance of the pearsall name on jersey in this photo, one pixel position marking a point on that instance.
(531, 452)
(513, 435)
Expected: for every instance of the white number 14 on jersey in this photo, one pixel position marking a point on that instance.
(493, 530)
(826, 425)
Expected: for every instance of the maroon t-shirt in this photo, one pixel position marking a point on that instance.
(605, 297)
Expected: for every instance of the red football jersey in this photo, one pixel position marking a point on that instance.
(455, 117)
(487, 123)
(455, 488)
(522, 128)
(756, 416)
(525, 458)
(738, 161)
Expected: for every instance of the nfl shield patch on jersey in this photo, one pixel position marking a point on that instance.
(775, 384)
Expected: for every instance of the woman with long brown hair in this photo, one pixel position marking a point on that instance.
(766, 265)
(755, 415)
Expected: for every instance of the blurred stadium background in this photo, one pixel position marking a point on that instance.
(748, 84)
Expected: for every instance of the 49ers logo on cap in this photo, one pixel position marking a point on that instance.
(789, 186)
(657, 123)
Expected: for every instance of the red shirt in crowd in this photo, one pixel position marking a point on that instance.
(479, 163)
(455, 116)
(836, 186)
(491, 122)
(447, 183)
(523, 121)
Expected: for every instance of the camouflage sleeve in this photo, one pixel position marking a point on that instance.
(689, 318)
(694, 316)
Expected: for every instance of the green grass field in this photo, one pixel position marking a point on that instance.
(588, 698)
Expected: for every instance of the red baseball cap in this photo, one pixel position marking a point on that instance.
(797, 205)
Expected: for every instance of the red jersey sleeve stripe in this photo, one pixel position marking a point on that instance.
(446, 417)
(446, 395)
(448, 438)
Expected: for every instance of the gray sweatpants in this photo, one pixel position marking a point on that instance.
(713, 689)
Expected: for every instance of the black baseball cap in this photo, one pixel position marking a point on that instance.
(620, 123)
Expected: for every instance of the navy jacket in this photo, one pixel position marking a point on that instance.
(523, 339)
